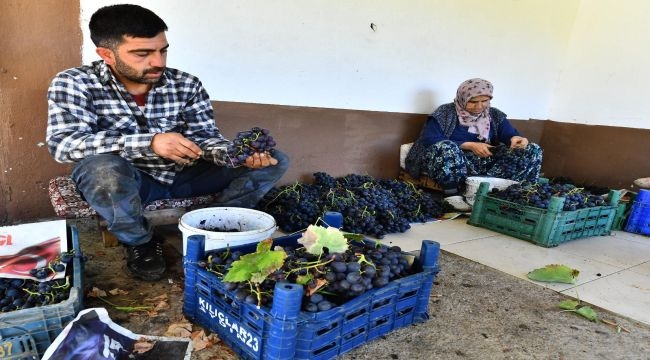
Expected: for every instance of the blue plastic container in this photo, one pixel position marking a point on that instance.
(643, 196)
(333, 219)
(27, 333)
(639, 219)
(286, 332)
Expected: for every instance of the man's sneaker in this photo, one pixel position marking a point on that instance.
(146, 261)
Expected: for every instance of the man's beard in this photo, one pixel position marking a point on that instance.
(133, 75)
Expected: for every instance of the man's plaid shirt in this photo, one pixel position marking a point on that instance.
(90, 112)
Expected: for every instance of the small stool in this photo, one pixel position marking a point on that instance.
(68, 204)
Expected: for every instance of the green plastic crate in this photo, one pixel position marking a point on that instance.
(545, 227)
(623, 211)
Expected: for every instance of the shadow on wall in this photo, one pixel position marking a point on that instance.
(595, 155)
(340, 142)
(335, 141)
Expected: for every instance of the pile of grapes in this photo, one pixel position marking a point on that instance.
(509, 167)
(329, 280)
(17, 294)
(538, 195)
(249, 142)
(369, 206)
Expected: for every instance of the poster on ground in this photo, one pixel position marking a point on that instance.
(31, 246)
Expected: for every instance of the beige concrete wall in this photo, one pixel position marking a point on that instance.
(39, 38)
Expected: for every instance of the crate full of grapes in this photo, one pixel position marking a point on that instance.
(40, 288)
(544, 213)
(298, 305)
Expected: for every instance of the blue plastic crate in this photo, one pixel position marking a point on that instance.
(286, 332)
(27, 333)
(639, 219)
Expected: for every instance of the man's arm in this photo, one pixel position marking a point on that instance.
(202, 130)
(72, 130)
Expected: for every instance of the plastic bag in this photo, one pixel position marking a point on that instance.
(93, 335)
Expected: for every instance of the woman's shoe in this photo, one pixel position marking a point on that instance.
(458, 203)
(643, 183)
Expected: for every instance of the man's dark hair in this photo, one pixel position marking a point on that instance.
(109, 24)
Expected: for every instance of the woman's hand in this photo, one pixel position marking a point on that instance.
(479, 149)
(518, 142)
(260, 160)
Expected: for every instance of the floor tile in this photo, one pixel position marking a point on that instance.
(643, 269)
(518, 257)
(444, 232)
(642, 239)
(615, 249)
(626, 293)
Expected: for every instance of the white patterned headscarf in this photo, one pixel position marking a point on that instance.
(478, 124)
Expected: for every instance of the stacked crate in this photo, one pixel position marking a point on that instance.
(639, 218)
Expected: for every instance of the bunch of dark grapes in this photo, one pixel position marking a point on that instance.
(332, 279)
(539, 195)
(247, 143)
(348, 277)
(509, 167)
(370, 206)
(302, 199)
(17, 294)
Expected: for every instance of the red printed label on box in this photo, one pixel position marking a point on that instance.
(29, 246)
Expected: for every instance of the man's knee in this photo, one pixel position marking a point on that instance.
(102, 174)
(103, 164)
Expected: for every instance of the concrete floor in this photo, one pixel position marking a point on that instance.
(614, 269)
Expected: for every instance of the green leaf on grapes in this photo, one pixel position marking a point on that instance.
(353, 237)
(255, 267)
(554, 273)
(568, 304)
(588, 312)
(303, 279)
(316, 237)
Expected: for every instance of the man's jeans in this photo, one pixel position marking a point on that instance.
(117, 190)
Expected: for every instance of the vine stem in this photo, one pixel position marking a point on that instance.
(126, 308)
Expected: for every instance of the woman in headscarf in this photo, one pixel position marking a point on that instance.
(469, 138)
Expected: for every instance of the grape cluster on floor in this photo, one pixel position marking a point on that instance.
(369, 206)
(249, 142)
(364, 266)
(539, 195)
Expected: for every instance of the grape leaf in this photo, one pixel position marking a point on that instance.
(569, 304)
(554, 273)
(303, 279)
(353, 237)
(588, 313)
(258, 265)
(316, 237)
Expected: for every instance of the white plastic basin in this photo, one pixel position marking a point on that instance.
(473, 182)
(226, 226)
